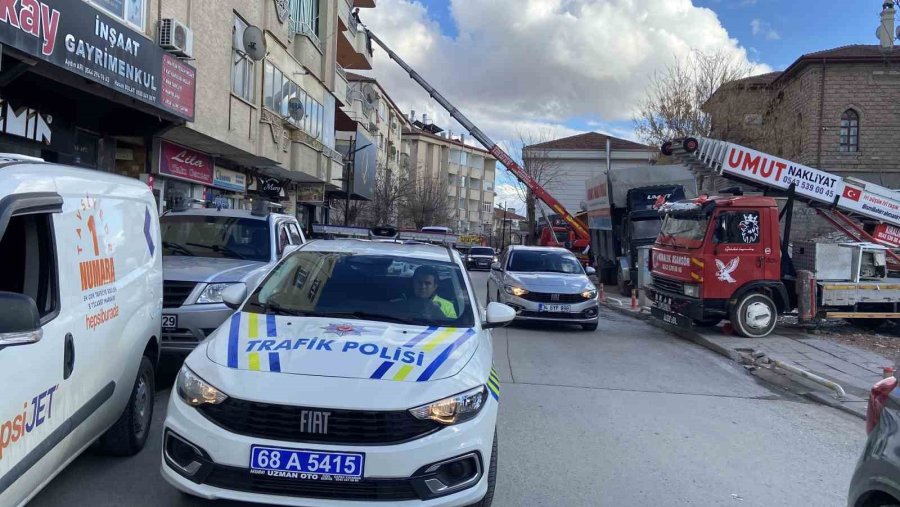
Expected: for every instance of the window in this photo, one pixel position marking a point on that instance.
(462, 181)
(29, 257)
(738, 227)
(462, 203)
(268, 84)
(381, 109)
(486, 207)
(451, 180)
(474, 183)
(294, 234)
(131, 12)
(215, 236)
(241, 65)
(850, 131)
(488, 185)
(328, 121)
(278, 90)
(397, 290)
(305, 18)
(463, 158)
(454, 156)
(476, 161)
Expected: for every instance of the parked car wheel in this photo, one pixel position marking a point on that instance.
(754, 315)
(129, 434)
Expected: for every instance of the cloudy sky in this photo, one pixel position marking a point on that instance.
(571, 66)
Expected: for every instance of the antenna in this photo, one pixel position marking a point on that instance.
(296, 109)
(254, 43)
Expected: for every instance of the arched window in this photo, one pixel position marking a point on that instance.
(850, 131)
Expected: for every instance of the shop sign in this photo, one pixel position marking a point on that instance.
(311, 192)
(185, 163)
(25, 122)
(72, 35)
(229, 180)
(273, 187)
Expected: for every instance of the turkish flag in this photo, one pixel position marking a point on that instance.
(852, 193)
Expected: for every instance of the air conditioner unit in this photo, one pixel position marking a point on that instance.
(176, 38)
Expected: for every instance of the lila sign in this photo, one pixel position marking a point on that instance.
(185, 163)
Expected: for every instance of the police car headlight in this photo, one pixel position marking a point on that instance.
(195, 391)
(455, 409)
(515, 291)
(691, 290)
(213, 293)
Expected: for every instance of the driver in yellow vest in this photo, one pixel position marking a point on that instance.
(425, 280)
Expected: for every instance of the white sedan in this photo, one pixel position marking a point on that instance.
(343, 380)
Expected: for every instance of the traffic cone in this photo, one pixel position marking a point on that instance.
(888, 371)
(602, 294)
(634, 301)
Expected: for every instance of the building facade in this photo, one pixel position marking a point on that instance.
(468, 173)
(220, 103)
(835, 110)
(508, 228)
(564, 166)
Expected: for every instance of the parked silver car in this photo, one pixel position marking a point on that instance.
(206, 251)
(544, 283)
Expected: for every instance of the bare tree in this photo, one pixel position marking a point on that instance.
(672, 106)
(425, 200)
(388, 193)
(538, 164)
(336, 216)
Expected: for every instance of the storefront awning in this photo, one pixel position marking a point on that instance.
(215, 148)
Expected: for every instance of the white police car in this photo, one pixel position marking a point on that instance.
(357, 371)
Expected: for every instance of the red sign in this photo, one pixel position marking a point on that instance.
(178, 86)
(887, 234)
(852, 193)
(185, 163)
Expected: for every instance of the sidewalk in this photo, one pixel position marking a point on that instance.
(854, 369)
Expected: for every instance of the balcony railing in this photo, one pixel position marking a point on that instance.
(341, 72)
(303, 28)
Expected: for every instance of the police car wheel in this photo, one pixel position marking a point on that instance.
(129, 434)
(492, 477)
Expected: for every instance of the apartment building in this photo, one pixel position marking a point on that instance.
(211, 103)
(469, 173)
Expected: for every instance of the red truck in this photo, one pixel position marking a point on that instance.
(559, 233)
(725, 257)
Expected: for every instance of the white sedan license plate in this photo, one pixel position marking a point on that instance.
(554, 308)
(170, 322)
(306, 464)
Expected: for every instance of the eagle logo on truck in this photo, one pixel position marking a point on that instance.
(724, 271)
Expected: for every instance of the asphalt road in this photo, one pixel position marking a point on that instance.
(627, 415)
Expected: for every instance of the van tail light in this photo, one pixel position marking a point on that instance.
(877, 400)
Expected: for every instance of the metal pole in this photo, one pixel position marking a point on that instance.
(349, 182)
(503, 229)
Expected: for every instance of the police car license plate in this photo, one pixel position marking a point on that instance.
(554, 308)
(306, 464)
(169, 322)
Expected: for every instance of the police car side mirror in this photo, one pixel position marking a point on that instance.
(235, 295)
(20, 322)
(498, 315)
(495, 266)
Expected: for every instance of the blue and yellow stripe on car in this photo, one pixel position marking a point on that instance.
(254, 359)
(427, 340)
(493, 384)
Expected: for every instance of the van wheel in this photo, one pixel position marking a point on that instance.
(754, 315)
(129, 434)
(492, 477)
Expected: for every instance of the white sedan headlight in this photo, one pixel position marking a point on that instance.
(195, 391)
(213, 293)
(589, 294)
(455, 409)
(515, 291)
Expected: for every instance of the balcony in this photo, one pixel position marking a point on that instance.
(475, 195)
(365, 4)
(341, 87)
(353, 44)
(451, 191)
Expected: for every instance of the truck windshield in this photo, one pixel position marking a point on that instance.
(645, 229)
(685, 231)
(562, 236)
(216, 236)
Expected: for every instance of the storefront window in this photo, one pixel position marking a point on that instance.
(177, 194)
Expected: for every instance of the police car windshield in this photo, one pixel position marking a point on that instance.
(216, 236)
(371, 287)
(536, 261)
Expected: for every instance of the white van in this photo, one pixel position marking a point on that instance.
(80, 304)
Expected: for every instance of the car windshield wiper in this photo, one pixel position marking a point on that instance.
(220, 249)
(273, 307)
(178, 247)
(364, 316)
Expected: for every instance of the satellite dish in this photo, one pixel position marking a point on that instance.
(369, 92)
(296, 110)
(254, 43)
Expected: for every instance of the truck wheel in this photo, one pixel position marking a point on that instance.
(754, 315)
(129, 434)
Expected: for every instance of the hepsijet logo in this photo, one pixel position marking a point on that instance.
(25, 122)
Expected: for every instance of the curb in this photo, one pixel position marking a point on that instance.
(734, 355)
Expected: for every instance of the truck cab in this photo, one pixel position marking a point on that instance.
(718, 258)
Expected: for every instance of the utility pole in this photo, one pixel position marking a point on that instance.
(503, 229)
